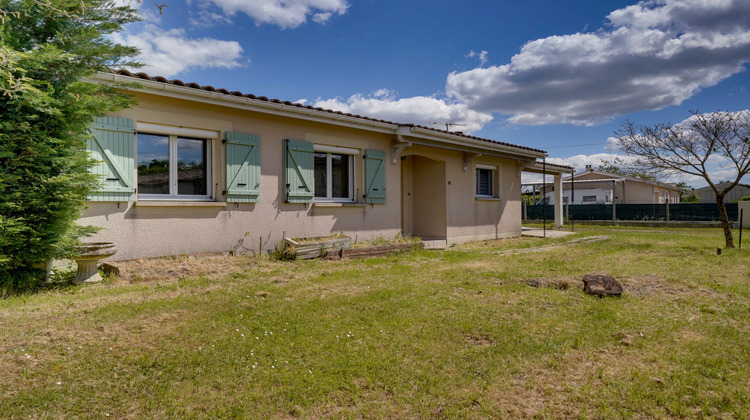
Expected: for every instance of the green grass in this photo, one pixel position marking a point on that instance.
(455, 334)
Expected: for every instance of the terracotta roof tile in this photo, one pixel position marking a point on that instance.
(144, 76)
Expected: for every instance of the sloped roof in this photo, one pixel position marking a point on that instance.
(610, 176)
(554, 165)
(720, 185)
(192, 85)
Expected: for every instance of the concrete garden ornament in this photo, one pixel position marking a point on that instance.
(88, 261)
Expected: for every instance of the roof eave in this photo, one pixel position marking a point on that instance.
(315, 115)
(243, 102)
(510, 150)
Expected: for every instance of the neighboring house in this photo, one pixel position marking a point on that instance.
(707, 195)
(597, 187)
(195, 169)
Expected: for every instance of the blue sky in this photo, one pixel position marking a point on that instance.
(555, 75)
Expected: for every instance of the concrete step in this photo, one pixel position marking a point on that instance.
(435, 243)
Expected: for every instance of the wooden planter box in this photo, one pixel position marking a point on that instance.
(308, 248)
(373, 251)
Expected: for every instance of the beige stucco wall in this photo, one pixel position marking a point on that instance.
(179, 228)
(440, 194)
(472, 218)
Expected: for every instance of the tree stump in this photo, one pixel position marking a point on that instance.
(599, 285)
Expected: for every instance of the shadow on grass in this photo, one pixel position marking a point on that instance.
(61, 280)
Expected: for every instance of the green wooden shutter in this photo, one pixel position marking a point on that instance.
(243, 167)
(374, 176)
(298, 171)
(111, 145)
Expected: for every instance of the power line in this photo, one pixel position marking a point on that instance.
(573, 145)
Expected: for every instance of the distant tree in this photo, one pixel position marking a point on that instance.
(687, 194)
(619, 167)
(530, 199)
(47, 49)
(688, 146)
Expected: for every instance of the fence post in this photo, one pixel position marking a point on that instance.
(741, 214)
(614, 210)
(572, 196)
(544, 197)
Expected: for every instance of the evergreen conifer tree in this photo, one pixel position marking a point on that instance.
(47, 50)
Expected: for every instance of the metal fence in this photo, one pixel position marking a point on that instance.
(699, 212)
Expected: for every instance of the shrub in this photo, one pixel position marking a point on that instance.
(46, 50)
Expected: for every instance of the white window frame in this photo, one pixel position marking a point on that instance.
(587, 199)
(173, 133)
(494, 182)
(328, 150)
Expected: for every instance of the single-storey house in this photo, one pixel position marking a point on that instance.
(597, 187)
(707, 194)
(195, 169)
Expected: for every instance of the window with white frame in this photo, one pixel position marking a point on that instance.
(487, 181)
(334, 173)
(173, 166)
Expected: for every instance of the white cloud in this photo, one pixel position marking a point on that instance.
(149, 12)
(285, 13)
(135, 4)
(207, 17)
(651, 55)
(423, 110)
(169, 52)
(718, 168)
(482, 56)
(322, 17)
(613, 145)
(580, 161)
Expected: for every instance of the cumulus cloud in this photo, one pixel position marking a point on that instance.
(649, 56)
(285, 13)
(580, 161)
(423, 110)
(169, 52)
(718, 168)
(613, 145)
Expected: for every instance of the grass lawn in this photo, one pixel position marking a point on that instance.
(457, 334)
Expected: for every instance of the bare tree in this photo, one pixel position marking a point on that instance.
(688, 147)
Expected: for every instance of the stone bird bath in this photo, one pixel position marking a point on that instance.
(88, 258)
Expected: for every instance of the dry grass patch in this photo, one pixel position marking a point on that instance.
(184, 266)
(564, 387)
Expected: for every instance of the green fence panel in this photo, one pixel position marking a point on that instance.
(699, 212)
